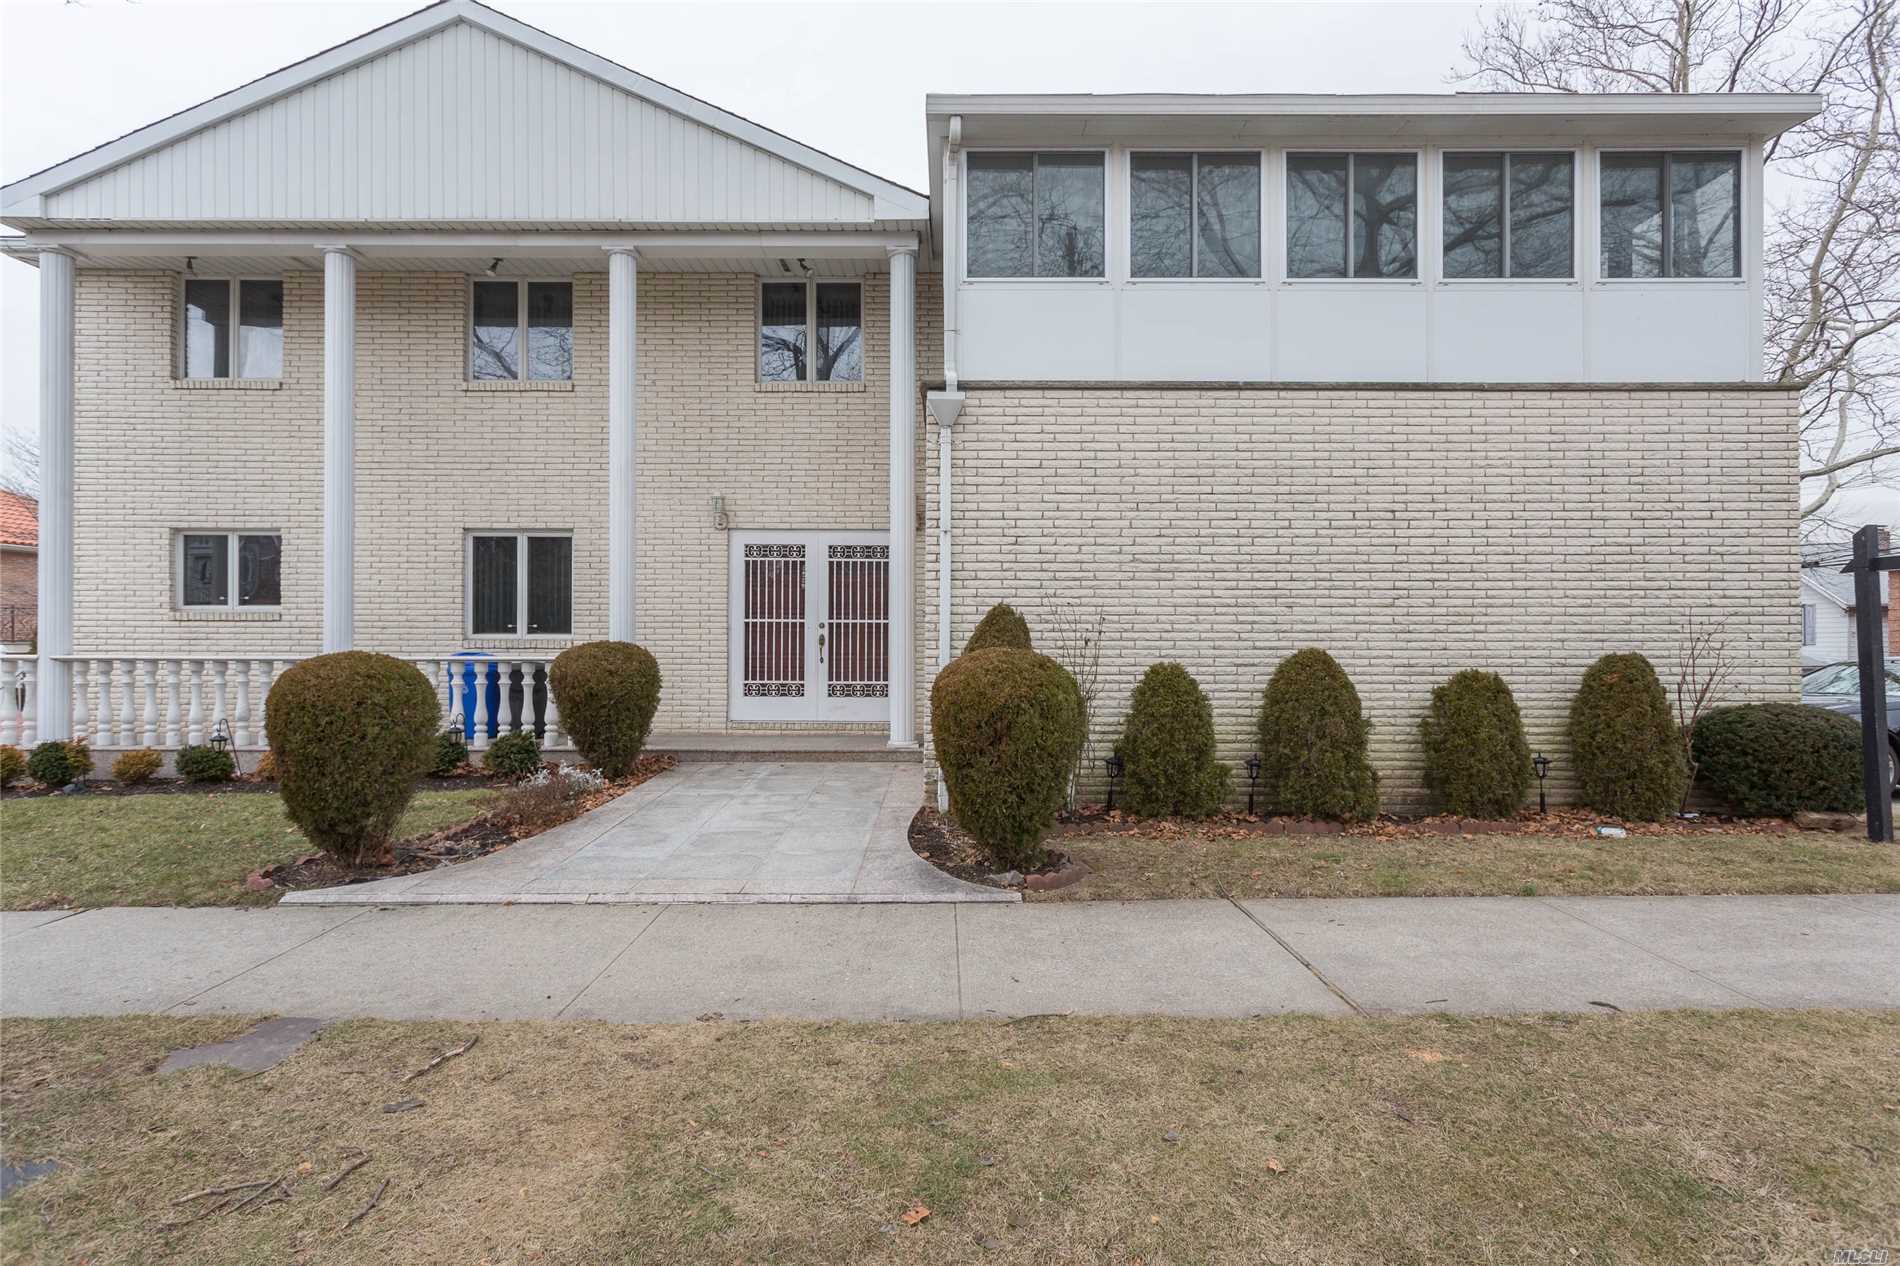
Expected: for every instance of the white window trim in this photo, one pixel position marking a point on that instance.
(1194, 238)
(1108, 218)
(1419, 185)
(231, 536)
(811, 285)
(521, 536)
(1744, 194)
(521, 285)
(180, 362)
(1506, 152)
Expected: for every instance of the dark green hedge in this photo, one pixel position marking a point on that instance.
(351, 733)
(451, 752)
(205, 763)
(1477, 763)
(1007, 725)
(514, 755)
(1000, 627)
(1625, 745)
(607, 693)
(1779, 758)
(1167, 748)
(1313, 741)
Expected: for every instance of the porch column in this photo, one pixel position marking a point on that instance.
(903, 452)
(339, 449)
(53, 702)
(622, 434)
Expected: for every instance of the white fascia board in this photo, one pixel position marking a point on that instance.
(25, 198)
(105, 244)
(1379, 105)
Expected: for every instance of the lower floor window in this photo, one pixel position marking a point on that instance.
(229, 570)
(520, 584)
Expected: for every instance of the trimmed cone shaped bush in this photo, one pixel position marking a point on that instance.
(1624, 744)
(1001, 627)
(1008, 728)
(1477, 763)
(352, 732)
(607, 693)
(1779, 758)
(1167, 748)
(1313, 741)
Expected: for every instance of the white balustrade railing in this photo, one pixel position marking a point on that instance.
(170, 701)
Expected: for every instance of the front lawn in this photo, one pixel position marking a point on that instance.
(1125, 867)
(189, 849)
(1673, 1137)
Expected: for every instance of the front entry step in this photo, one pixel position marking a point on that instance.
(692, 748)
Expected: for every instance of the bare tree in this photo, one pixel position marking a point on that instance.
(1832, 254)
(20, 462)
(1704, 665)
(1074, 640)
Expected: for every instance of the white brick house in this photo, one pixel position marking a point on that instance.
(457, 340)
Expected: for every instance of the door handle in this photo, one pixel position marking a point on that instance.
(821, 643)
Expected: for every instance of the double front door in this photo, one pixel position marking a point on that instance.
(810, 620)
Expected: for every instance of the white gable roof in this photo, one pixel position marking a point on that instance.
(456, 114)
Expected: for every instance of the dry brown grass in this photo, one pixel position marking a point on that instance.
(1137, 867)
(1684, 1137)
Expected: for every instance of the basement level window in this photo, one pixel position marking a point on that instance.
(229, 571)
(232, 327)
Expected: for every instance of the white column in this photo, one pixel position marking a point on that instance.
(339, 449)
(903, 446)
(623, 413)
(54, 702)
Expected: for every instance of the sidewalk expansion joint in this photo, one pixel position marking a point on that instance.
(1644, 949)
(608, 966)
(1298, 957)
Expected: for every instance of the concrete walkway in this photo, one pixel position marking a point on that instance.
(808, 831)
(947, 962)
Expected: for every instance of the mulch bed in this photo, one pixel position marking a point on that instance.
(245, 784)
(486, 833)
(945, 845)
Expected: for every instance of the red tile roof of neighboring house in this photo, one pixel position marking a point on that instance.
(19, 519)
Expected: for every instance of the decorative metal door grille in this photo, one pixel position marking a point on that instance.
(774, 621)
(857, 652)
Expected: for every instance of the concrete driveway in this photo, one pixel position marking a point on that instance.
(797, 831)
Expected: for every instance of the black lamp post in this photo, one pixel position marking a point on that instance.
(1253, 779)
(1113, 765)
(1541, 763)
(221, 737)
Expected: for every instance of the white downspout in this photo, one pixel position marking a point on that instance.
(947, 404)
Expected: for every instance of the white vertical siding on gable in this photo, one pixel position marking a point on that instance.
(461, 126)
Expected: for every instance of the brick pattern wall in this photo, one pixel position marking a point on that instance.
(1410, 533)
(437, 458)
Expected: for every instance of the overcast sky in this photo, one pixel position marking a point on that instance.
(849, 79)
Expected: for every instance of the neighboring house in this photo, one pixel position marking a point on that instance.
(19, 570)
(458, 338)
(1829, 618)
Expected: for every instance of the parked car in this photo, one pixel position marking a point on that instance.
(1837, 688)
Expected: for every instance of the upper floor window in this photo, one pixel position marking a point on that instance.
(521, 330)
(233, 328)
(1035, 215)
(229, 570)
(1672, 215)
(520, 583)
(1352, 215)
(811, 331)
(1508, 215)
(1194, 215)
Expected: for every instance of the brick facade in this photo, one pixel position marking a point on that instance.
(438, 457)
(1411, 533)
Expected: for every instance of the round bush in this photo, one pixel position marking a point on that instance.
(607, 693)
(1167, 748)
(205, 764)
(451, 753)
(514, 755)
(1000, 627)
(137, 766)
(12, 764)
(51, 764)
(1477, 763)
(1313, 741)
(352, 732)
(1007, 725)
(81, 757)
(1624, 744)
(1779, 758)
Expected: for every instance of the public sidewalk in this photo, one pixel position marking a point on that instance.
(947, 962)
